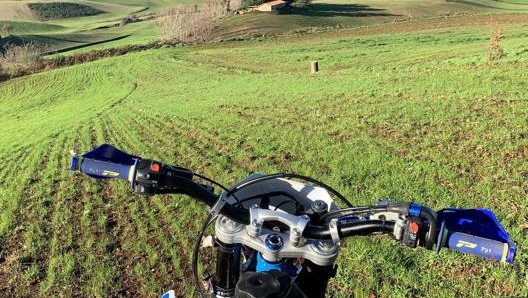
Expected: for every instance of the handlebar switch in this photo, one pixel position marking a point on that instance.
(412, 232)
(147, 176)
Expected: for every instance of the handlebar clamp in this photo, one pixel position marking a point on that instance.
(334, 231)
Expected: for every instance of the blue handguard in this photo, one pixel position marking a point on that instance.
(106, 162)
(474, 231)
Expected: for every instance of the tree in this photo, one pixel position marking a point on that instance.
(232, 5)
(22, 59)
(188, 23)
(249, 3)
(300, 3)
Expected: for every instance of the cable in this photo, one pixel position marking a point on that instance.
(358, 228)
(285, 202)
(217, 184)
(270, 195)
(196, 250)
(289, 175)
(327, 187)
(354, 210)
(211, 181)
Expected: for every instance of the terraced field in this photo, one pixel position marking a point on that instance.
(410, 111)
(104, 30)
(62, 33)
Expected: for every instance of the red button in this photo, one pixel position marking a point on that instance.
(414, 227)
(155, 167)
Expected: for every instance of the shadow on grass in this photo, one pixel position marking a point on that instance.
(51, 44)
(55, 38)
(45, 42)
(340, 10)
(34, 39)
(12, 40)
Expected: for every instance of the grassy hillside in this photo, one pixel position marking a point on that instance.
(325, 14)
(321, 15)
(410, 111)
(61, 33)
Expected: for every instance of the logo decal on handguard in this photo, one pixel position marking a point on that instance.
(110, 173)
(462, 243)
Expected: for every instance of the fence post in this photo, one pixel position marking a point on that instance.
(315, 67)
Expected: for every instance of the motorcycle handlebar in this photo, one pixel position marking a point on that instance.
(473, 230)
(151, 177)
(361, 228)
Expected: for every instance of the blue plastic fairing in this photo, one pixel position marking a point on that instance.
(105, 162)
(475, 231)
(111, 154)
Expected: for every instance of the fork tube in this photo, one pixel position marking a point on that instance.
(227, 269)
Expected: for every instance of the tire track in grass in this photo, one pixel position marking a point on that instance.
(160, 147)
(79, 264)
(14, 222)
(106, 228)
(124, 226)
(232, 153)
(110, 134)
(32, 215)
(148, 249)
(179, 222)
(63, 276)
(176, 236)
(197, 143)
(61, 221)
(14, 176)
(131, 138)
(162, 129)
(103, 273)
(13, 226)
(177, 227)
(248, 154)
(98, 268)
(178, 257)
(164, 246)
(136, 258)
(15, 157)
(104, 276)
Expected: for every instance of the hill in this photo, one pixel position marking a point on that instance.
(410, 110)
(102, 30)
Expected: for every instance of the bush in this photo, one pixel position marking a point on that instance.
(132, 18)
(6, 30)
(189, 24)
(248, 3)
(300, 3)
(20, 60)
(62, 10)
(495, 50)
(232, 5)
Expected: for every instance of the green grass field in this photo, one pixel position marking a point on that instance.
(407, 110)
